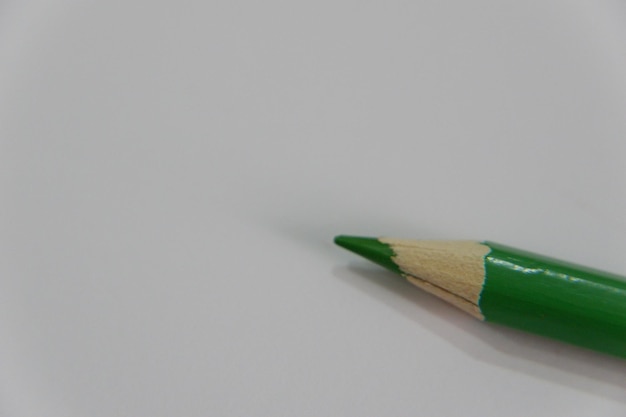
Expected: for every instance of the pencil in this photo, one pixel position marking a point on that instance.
(512, 287)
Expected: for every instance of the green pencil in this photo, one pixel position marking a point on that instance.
(504, 285)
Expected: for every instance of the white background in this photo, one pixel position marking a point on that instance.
(173, 173)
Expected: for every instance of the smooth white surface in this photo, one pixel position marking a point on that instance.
(172, 175)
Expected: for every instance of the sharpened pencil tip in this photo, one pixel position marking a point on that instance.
(369, 248)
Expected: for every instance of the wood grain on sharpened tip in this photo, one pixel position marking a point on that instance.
(509, 286)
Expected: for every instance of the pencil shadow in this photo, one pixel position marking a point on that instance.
(493, 344)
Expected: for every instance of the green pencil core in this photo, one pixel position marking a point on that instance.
(370, 248)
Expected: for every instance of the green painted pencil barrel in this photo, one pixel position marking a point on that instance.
(579, 305)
